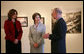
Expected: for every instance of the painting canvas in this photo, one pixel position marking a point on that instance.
(3, 18)
(73, 22)
(23, 21)
(42, 20)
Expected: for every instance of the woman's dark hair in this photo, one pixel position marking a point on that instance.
(34, 15)
(11, 13)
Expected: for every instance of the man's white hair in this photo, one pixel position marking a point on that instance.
(58, 10)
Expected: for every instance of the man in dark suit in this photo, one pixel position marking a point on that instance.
(58, 36)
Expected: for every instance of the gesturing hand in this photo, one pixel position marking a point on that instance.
(46, 36)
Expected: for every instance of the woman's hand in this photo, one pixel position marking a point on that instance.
(35, 45)
(16, 41)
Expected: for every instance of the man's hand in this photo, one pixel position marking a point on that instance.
(46, 36)
(35, 45)
(16, 41)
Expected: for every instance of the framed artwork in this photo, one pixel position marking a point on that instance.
(23, 21)
(73, 22)
(3, 18)
(42, 20)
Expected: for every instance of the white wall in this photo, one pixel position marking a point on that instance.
(74, 42)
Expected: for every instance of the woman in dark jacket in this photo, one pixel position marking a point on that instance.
(13, 33)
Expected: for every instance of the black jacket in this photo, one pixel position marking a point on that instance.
(58, 37)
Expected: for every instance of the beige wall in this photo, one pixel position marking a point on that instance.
(74, 42)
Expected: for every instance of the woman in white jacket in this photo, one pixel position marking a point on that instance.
(36, 33)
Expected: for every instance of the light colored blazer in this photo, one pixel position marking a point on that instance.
(35, 34)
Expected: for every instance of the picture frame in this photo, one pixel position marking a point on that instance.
(23, 21)
(42, 20)
(73, 22)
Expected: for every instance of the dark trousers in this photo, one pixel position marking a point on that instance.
(13, 48)
(58, 48)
